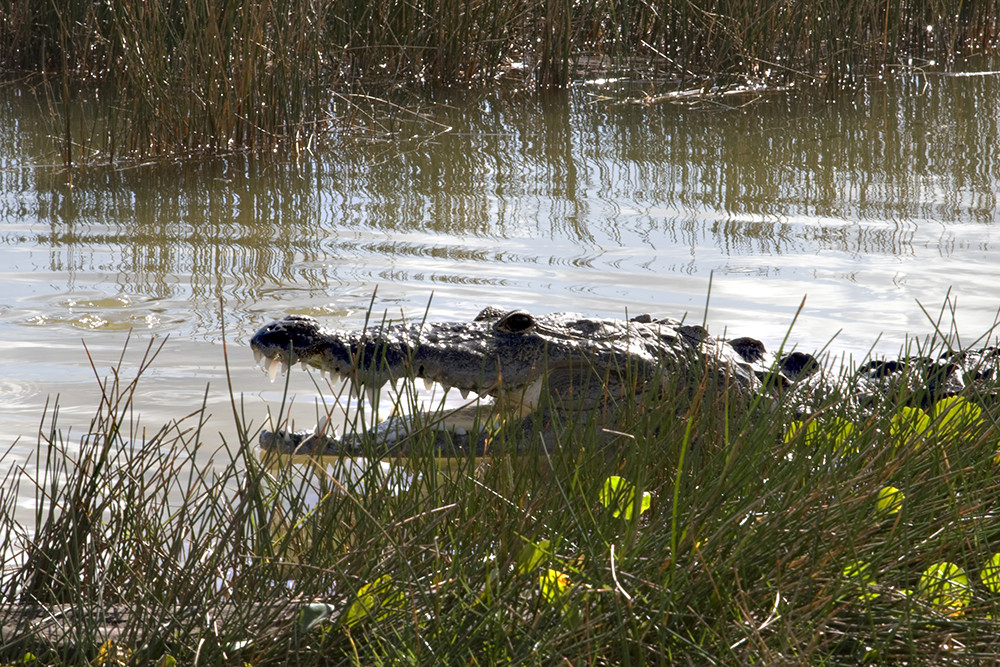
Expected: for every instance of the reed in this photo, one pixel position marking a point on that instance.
(178, 77)
(703, 530)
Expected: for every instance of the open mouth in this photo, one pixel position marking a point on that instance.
(372, 386)
(428, 406)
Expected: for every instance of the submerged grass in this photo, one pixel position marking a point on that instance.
(704, 529)
(193, 76)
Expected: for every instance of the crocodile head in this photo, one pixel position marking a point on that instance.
(510, 355)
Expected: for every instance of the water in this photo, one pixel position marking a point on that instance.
(866, 202)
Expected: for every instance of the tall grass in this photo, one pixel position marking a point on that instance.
(766, 535)
(175, 77)
(182, 76)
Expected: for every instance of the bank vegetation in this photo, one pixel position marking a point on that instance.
(704, 529)
(169, 77)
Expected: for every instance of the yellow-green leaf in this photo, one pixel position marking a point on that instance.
(836, 430)
(858, 573)
(376, 598)
(532, 556)
(112, 654)
(890, 500)
(807, 431)
(618, 495)
(955, 415)
(908, 424)
(555, 584)
(990, 574)
(945, 585)
(843, 435)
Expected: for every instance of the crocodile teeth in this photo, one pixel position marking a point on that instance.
(465, 393)
(371, 393)
(325, 427)
(428, 383)
(257, 356)
(273, 368)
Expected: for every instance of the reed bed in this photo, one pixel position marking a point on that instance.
(174, 77)
(704, 529)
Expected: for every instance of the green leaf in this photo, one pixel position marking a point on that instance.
(858, 570)
(377, 598)
(555, 584)
(945, 585)
(890, 500)
(112, 654)
(618, 495)
(908, 424)
(955, 416)
(314, 614)
(532, 556)
(990, 574)
(813, 433)
(806, 429)
(858, 573)
(843, 435)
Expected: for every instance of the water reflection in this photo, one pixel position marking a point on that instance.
(866, 200)
(857, 175)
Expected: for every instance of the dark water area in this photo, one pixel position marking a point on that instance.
(867, 203)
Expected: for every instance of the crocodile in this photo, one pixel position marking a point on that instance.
(561, 365)
(570, 367)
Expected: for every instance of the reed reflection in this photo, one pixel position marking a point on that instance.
(551, 192)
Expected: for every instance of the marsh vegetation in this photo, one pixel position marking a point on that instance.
(144, 79)
(703, 529)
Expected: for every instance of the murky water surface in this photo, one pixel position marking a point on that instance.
(866, 203)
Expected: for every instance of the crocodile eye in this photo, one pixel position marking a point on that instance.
(515, 322)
